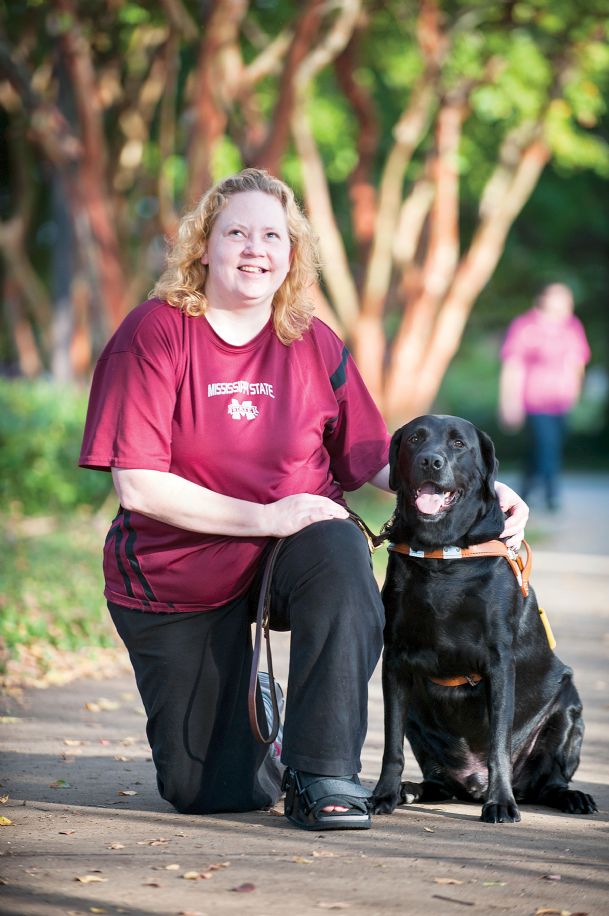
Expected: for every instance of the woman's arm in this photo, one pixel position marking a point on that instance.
(180, 502)
(511, 394)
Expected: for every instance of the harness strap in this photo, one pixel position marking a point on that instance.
(522, 570)
(471, 679)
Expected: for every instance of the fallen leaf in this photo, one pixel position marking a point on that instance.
(151, 884)
(108, 705)
(448, 881)
(97, 909)
(160, 842)
(116, 846)
(67, 832)
(59, 784)
(429, 830)
(323, 854)
(550, 911)
(72, 742)
(551, 877)
(494, 883)
(244, 888)
(121, 758)
(301, 860)
(192, 875)
(3, 799)
(127, 792)
(5, 822)
(90, 879)
(9, 720)
(216, 865)
(3, 881)
(92, 707)
(336, 905)
(172, 867)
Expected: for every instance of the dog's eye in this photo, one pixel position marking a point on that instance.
(458, 443)
(414, 438)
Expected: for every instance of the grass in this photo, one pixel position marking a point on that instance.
(51, 591)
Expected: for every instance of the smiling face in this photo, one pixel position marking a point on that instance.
(248, 252)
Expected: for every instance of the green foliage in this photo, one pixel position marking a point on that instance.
(51, 584)
(41, 426)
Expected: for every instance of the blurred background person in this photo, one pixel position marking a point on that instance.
(543, 356)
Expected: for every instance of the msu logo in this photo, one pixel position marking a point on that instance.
(245, 409)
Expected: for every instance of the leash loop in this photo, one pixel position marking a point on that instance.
(263, 626)
(263, 623)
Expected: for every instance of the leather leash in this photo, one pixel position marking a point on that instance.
(263, 626)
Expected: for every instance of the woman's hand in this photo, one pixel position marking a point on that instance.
(517, 513)
(293, 513)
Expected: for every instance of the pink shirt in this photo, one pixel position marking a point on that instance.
(553, 353)
(258, 422)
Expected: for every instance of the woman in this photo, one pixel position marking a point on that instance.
(544, 358)
(229, 416)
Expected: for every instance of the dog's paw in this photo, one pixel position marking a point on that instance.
(410, 792)
(500, 813)
(385, 799)
(572, 801)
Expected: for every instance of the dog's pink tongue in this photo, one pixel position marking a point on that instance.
(429, 500)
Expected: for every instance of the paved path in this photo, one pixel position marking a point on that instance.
(64, 767)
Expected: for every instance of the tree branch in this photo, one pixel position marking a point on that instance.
(268, 156)
(362, 191)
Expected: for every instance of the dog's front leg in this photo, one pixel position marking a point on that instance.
(396, 690)
(500, 805)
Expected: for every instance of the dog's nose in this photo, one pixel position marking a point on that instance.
(433, 462)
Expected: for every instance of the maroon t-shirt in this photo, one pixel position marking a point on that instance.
(257, 422)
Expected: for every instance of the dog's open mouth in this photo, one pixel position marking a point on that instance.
(431, 499)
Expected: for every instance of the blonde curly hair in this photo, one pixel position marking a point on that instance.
(182, 283)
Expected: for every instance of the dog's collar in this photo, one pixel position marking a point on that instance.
(522, 570)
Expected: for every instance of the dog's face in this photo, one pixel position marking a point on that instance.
(443, 469)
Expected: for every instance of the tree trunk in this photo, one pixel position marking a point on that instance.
(216, 85)
(95, 200)
(473, 273)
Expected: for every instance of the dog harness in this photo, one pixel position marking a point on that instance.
(495, 548)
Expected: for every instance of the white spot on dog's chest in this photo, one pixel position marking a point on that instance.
(472, 773)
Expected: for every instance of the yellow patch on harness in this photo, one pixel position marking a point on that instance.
(547, 628)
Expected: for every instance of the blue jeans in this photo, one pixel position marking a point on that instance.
(545, 435)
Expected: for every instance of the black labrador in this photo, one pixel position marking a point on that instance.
(511, 729)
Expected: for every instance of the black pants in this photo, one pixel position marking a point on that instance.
(192, 671)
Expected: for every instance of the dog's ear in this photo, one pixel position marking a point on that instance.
(487, 450)
(394, 451)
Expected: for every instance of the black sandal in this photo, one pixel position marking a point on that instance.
(307, 794)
